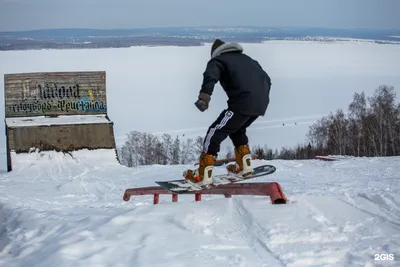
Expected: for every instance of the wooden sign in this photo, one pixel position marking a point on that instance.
(55, 93)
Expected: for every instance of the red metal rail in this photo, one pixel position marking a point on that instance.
(325, 158)
(273, 190)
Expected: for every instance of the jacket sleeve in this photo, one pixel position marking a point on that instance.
(211, 76)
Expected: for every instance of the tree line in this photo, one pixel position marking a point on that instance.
(371, 127)
(146, 149)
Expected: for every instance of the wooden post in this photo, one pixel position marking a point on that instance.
(8, 151)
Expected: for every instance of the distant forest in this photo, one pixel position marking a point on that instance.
(370, 128)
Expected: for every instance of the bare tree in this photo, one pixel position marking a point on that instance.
(318, 134)
(383, 106)
(166, 148)
(198, 145)
(338, 132)
(176, 151)
(357, 114)
(259, 152)
(187, 151)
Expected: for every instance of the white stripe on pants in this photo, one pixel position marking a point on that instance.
(227, 117)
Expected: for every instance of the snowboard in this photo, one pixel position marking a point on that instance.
(182, 186)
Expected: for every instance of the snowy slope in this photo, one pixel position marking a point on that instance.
(67, 210)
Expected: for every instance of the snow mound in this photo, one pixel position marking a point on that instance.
(62, 209)
(46, 159)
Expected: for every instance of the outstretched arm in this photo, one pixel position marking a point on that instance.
(211, 76)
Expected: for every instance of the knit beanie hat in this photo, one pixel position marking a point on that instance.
(216, 44)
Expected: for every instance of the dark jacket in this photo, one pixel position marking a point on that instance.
(243, 79)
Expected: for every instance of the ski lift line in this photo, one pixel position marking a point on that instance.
(296, 119)
(182, 130)
(280, 125)
(202, 129)
(289, 119)
(121, 139)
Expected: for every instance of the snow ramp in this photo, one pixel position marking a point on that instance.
(61, 111)
(65, 209)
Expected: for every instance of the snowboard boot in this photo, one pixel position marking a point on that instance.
(242, 167)
(203, 175)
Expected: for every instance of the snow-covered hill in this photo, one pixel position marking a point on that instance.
(67, 210)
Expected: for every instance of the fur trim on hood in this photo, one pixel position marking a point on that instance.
(226, 47)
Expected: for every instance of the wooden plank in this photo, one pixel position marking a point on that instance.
(67, 137)
(55, 93)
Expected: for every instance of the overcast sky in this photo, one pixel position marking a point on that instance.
(105, 14)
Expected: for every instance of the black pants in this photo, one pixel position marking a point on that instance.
(227, 124)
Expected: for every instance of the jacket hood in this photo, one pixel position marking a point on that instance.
(226, 47)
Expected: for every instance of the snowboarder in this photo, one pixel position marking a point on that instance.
(247, 86)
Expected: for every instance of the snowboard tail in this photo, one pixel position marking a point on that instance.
(182, 186)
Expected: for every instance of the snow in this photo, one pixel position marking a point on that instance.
(67, 210)
(152, 89)
(60, 120)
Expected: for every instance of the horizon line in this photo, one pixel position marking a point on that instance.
(200, 26)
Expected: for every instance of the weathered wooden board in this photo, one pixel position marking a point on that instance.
(62, 137)
(55, 93)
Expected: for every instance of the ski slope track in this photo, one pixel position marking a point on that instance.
(67, 210)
